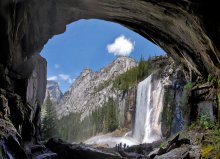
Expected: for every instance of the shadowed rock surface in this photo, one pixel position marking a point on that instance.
(65, 150)
(186, 29)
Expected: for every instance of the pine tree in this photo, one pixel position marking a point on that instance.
(49, 120)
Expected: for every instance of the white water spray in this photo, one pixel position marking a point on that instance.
(149, 104)
(147, 128)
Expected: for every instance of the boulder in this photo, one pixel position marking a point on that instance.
(178, 153)
(157, 151)
(78, 151)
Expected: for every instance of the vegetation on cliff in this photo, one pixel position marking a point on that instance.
(132, 76)
(104, 119)
(138, 73)
(209, 132)
(205, 125)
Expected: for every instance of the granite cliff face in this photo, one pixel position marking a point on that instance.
(53, 92)
(92, 89)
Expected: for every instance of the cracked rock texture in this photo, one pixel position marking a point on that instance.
(92, 90)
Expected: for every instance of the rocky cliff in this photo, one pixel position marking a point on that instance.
(92, 89)
(53, 92)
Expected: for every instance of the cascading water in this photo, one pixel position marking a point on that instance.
(149, 104)
(147, 128)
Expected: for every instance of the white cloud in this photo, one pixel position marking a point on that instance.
(53, 78)
(122, 46)
(57, 66)
(64, 77)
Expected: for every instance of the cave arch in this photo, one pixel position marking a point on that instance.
(174, 26)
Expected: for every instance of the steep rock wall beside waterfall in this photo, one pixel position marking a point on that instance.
(162, 102)
(127, 102)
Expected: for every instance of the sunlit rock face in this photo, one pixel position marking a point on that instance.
(92, 90)
(53, 92)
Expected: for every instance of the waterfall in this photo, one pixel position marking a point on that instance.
(149, 104)
(147, 127)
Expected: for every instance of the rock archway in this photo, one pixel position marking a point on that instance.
(188, 30)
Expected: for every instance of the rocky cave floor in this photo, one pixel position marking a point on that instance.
(193, 143)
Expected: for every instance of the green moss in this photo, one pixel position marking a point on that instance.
(163, 144)
(192, 125)
(184, 103)
(207, 150)
(213, 80)
(216, 137)
(167, 113)
(188, 86)
(205, 122)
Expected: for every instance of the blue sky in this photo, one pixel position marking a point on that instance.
(94, 44)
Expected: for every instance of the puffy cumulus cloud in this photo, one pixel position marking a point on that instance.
(57, 66)
(122, 46)
(52, 78)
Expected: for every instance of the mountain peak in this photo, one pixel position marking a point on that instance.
(87, 93)
(53, 90)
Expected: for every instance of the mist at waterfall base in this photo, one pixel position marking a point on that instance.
(147, 127)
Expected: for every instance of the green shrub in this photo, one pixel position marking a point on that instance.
(192, 125)
(188, 86)
(205, 122)
(217, 137)
(213, 80)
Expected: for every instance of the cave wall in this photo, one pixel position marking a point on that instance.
(188, 30)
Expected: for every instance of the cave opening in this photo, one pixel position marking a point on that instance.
(93, 48)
